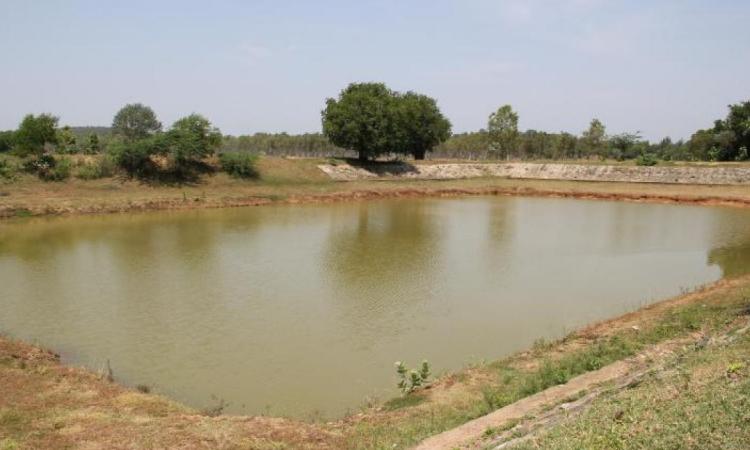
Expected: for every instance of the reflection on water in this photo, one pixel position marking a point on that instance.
(292, 310)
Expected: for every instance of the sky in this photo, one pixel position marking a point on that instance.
(663, 68)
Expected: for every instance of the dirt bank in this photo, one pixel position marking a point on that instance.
(114, 197)
(571, 172)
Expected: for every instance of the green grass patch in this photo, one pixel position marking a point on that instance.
(12, 422)
(403, 402)
(695, 404)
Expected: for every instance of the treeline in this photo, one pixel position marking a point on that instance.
(727, 140)
(284, 144)
(136, 145)
(367, 120)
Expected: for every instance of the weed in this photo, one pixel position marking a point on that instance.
(410, 380)
(734, 368)
(8, 444)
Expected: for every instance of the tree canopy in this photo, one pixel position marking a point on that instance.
(595, 138)
(135, 121)
(34, 133)
(421, 124)
(502, 127)
(192, 138)
(373, 120)
(183, 148)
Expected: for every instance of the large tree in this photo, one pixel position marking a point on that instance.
(362, 119)
(34, 133)
(502, 127)
(421, 125)
(135, 121)
(374, 120)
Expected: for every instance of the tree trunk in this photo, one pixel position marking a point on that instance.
(419, 155)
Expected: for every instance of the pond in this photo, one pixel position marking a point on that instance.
(303, 310)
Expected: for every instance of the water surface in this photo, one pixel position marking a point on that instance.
(299, 310)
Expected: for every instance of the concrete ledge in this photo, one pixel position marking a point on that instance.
(573, 172)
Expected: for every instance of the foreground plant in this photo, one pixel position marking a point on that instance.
(410, 380)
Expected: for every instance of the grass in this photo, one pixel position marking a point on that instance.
(404, 401)
(702, 401)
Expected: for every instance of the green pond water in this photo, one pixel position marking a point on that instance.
(302, 310)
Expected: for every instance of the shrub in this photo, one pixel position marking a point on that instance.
(60, 170)
(8, 170)
(7, 140)
(175, 155)
(646, 159)
(240, 165)
(135, 157)
(101, 168)
(47, 168)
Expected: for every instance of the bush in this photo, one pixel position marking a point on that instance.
(135, 157)
(175, 155)
(240, 165)
(646, 159)
(60, 170)
(8, 169)
(6, 141)
(47, 168)
(101, 168)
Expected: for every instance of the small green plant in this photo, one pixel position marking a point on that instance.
(8, 444)
(735, 368)
(239, 164)
(411, 380)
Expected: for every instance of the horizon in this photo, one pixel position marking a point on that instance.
(662, 70)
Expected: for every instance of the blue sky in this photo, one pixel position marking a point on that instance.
(659, 67)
